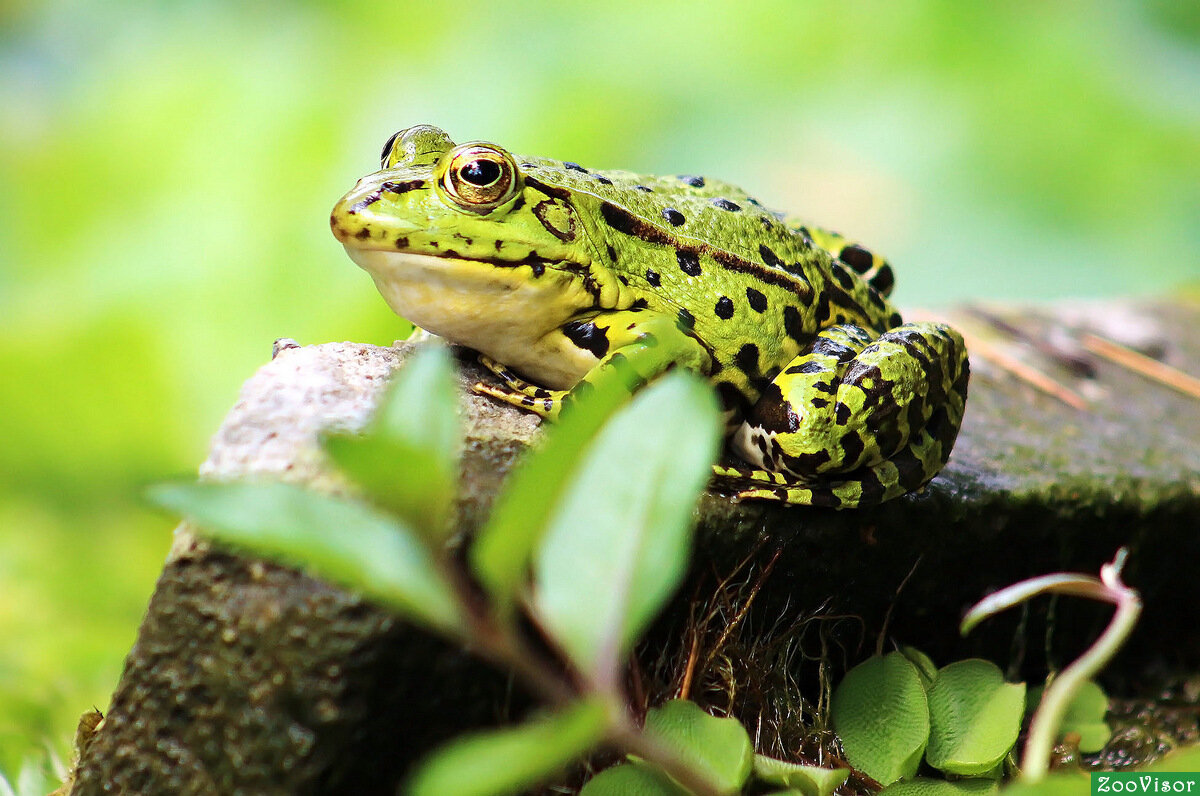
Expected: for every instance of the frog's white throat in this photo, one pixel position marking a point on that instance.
(502, 311)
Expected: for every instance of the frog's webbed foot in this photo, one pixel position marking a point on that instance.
(518, 392)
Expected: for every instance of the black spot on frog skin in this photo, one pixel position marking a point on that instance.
(575, 167)
(600, 178)
(638, 305)
(538, 269)
(724, 308)
(875, 299)
(841, 275)
(747, 358)
(644, 188)
(689, 262)
(402, 242)
(673, 216)
(587, 336)
(652, 277)
(773, 413)
(841, 414)
(793, 324)
(819, 403)
(686, 320)
(725, 204)
(832, 348)
(692, 180)
(612, 253)
(806, 463)
(857, 258)
(758, 302)
(852, 446)
(769, 257)
(895, 320)
(883, 280)
(808, 367)
(363, 234)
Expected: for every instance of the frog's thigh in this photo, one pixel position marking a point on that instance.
(849, 402)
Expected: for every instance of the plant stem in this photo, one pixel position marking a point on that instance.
(1058, 695)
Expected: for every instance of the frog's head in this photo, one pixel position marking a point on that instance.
(456, 236)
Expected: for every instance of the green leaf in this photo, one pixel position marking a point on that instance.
(1084, 716)
(511, 759)
(407, 459)
(632, 779)
(806, 780)
(340, 540)
(617, 543)
(718, 749)
(880, 712)
(1072, 783)
(925, 665)
(940, 787)
(975, 717)
(503, 549)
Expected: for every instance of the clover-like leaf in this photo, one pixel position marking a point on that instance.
(513, 758)
(719, 749)
(407, 459)
(618, 540)
(340, 540)
(974, 716)
(922, 786)
(632, 779)
(880, 712)
(806, 780)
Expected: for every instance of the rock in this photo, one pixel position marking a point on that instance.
(251, 677)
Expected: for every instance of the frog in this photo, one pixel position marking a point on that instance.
(564, 277)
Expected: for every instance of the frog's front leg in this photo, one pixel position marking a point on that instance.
(630, 346)
(854, 421)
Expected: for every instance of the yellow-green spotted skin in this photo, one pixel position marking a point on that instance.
(562, 276)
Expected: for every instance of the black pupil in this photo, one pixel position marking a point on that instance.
(481, 172)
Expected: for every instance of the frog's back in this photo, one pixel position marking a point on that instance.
(753, 287)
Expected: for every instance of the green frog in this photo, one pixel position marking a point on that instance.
(563, 277)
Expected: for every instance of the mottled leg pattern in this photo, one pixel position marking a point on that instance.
(629, 346)
(854, 421)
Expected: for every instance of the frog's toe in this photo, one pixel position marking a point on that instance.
(546, 406)
(778, 494)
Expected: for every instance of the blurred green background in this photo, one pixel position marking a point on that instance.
(167, 169)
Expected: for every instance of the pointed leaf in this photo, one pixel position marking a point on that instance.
(618, 541)
(718, 749)
(407, 459)
(880, 712)
(807, 780)
(632, 779)
(503, 549)
(974, 717)
(337, 539)
(511, 759)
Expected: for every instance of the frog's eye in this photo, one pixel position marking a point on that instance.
(480, 177)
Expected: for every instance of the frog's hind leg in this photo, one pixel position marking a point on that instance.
(854, 421)
(873, 268)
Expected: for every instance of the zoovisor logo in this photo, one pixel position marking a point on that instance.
(1161, 782)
